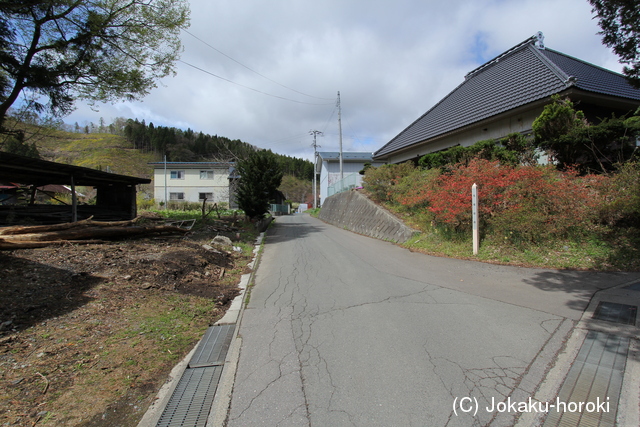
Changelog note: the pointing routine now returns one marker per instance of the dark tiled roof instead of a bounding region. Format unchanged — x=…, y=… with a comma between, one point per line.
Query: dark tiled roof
x=521, y=75
x=592, y=78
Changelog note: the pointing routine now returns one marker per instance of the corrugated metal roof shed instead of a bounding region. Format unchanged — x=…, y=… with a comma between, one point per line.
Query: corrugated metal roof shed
x=27, y=170
x=115, y=198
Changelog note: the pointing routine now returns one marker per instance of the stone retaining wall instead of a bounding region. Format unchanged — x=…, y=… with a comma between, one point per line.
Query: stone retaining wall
x=355, y=212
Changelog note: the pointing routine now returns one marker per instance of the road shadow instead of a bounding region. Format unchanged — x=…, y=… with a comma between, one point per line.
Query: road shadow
x=284, y=231
x=580, y=285
x=32, y=292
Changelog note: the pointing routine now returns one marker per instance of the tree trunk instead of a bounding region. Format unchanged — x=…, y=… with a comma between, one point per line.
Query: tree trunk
x=92, y=233
x=18, y=229
x=85, y=231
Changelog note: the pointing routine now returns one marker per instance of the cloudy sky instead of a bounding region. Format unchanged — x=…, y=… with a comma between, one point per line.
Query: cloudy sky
x=281, y=63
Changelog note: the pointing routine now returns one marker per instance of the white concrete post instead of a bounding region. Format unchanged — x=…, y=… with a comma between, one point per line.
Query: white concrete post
x=474, y=215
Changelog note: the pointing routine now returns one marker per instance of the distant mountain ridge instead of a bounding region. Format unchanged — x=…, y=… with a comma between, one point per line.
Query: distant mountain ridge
x=127, y=146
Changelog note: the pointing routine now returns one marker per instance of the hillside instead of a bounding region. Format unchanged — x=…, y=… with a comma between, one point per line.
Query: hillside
x=127, y=146
x=101, y=151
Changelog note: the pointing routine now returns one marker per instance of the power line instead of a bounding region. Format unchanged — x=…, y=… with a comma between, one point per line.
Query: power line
x=250, y=69
x=250, y=88
x=324, y=128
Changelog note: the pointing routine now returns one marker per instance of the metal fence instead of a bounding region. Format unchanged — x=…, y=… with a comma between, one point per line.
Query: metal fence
x=345, y=184
x=280, y=209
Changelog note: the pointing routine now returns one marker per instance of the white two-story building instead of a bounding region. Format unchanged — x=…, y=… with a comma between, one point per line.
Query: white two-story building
x=194, y=182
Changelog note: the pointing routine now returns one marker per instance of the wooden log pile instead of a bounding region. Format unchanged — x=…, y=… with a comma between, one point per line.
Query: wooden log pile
x=81, y=232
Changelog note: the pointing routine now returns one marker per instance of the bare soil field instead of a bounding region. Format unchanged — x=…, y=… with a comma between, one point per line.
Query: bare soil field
x=89, y=333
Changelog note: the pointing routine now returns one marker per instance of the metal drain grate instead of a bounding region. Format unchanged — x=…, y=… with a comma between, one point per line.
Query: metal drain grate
x=596, y=376
x=191, y=401
x=614, y=312
x=213, y=347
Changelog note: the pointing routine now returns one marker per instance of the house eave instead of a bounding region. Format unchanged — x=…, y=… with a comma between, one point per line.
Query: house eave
x=476, y=125
x=576, y=94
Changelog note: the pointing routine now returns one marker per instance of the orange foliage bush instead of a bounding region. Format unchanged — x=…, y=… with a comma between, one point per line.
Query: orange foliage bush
x=520, y=202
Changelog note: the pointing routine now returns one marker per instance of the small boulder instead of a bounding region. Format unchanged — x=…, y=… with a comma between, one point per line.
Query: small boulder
x=222, y=240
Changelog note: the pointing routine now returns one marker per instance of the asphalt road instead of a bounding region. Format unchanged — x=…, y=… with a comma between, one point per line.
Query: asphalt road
x=345, y=330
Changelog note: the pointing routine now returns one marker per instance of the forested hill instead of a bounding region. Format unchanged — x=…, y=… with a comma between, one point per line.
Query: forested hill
x=190, y=146
x=127, y=146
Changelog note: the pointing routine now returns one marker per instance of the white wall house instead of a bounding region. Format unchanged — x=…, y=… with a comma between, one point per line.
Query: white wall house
x=328, y=163
x=192, y=182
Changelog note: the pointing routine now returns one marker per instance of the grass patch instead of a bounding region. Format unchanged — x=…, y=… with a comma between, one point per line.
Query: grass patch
x=171, y=324
x=616, y=254
x=95, y=150
x=246, y=232
x=314, y=212
x=252, y=282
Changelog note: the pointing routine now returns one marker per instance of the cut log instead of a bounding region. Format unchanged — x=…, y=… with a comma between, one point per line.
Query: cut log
x=92, y=233
x=24, y=229
x=18, y=229
x=10, y=246
x=83, y=232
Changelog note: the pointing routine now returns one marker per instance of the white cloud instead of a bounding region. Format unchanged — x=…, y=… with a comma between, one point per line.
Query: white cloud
x=391, y=61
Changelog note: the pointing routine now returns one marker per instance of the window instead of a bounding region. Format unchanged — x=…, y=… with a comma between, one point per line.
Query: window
x=177, y=174
x=206, y=174
x=176, y=196
x=208, y=196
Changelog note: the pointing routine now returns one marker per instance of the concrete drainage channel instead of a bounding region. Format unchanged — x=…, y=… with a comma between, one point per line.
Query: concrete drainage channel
x=599, y=369
x=192, y=396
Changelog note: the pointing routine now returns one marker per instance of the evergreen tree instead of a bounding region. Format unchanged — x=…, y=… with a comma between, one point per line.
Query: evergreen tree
x=16, y=144
x=564, y=133
x=620, y=23
x=260, y=177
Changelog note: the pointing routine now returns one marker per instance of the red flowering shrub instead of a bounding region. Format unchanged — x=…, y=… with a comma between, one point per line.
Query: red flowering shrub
x=543, y=203
x=520, y=201
x=450, y=199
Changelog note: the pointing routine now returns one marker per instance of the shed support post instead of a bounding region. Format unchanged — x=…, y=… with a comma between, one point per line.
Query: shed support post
x=74, y=201
x=34, y=191
x=132, y=200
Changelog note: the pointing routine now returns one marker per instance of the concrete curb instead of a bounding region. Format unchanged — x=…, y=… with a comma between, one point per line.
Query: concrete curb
x=222, y=399
x=225, y=385
x=547, y=380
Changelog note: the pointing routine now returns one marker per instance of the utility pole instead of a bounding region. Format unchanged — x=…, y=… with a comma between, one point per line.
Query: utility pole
x=340, y=133
x=315, y=162
x=166, y=202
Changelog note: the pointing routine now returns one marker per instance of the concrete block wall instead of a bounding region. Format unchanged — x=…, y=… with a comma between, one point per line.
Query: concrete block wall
x=355, y=212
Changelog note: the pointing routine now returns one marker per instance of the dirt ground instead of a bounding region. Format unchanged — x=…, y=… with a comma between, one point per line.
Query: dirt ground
x=89, y=333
